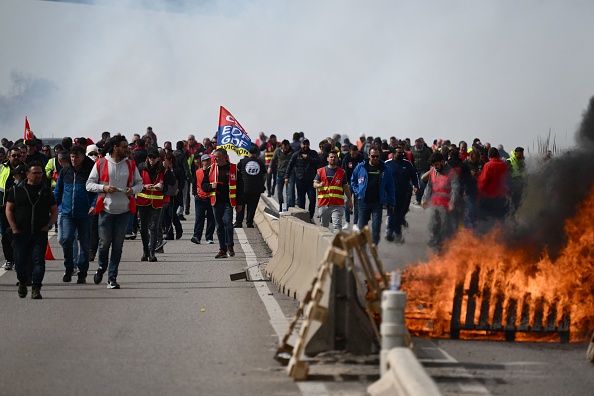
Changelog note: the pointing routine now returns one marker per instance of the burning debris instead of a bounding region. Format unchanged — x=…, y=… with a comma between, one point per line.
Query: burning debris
x=532, y=279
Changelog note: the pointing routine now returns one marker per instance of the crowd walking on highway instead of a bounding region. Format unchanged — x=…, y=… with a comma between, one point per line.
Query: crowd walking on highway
x=99, y=194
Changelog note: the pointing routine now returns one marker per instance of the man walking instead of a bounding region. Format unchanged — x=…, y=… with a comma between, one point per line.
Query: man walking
x=305, y=164
x=6, y=183
x=282, y=155
x=332, y=187
x=349, y=163
x=225, y=187
x=253, y=175
x=269, y=148
x=492, y=191
x=116, y=179
x=78, y=209
x=31, y=210
x=372, y=182
x=202, y=205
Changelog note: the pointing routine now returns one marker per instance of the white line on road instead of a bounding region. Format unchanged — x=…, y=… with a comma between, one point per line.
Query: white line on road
x=279, y=322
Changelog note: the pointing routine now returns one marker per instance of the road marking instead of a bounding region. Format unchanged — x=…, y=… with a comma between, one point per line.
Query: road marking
x=279, y=322
x=3, y=272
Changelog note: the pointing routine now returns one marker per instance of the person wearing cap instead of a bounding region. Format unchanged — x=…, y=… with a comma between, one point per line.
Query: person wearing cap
x=6, y=182
x=76, y=215
x=202, y=205
x=253, y=173
x=33, y=155
x=305, y=165
x=93, y=152
x=150, y=202
x=349, y=163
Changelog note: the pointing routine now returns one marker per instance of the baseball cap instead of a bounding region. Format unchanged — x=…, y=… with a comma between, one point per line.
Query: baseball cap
x=205, y=157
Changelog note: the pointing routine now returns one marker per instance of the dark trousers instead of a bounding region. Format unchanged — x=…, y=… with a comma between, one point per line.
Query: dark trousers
x=94, y=235
x=29, y=257
x=171, y=218
x=306, y=188
x=396, y=219
x=6, y=237
x=149, y=221
x=223, y=214
x=373, y=212
x=249, y=207
x=203, y=212
x=271, y=179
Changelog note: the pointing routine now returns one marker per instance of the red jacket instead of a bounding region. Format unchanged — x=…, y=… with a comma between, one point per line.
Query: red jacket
x=492, y=183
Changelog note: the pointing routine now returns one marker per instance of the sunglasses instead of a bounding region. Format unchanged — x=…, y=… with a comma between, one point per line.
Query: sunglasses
x=16, y=155
x=152, y=157
x=374, y=156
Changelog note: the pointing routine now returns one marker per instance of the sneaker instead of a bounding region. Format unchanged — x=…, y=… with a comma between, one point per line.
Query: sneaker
x=160, y=245
x=36, y=294
x=230, y=251
x=355, y=228
x=8, y=265
x=236, y=225
x=133, y=236
x=75, y=270
x=82, y=279
x=168, y=237
x=22, y=290
x=152, y=257
x=67, y=276
x=346, y=226
x=250, y=226
x=144, y=256
x=195, y=240
x=128, y=235
x=221, y=254
x=98, y=275
x=112, y=284
x=159, y=250
x=399, y=239
x=181, y=217
x=209, y=241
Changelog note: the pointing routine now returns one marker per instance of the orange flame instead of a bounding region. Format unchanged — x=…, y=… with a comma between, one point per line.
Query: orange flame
x=532, y=295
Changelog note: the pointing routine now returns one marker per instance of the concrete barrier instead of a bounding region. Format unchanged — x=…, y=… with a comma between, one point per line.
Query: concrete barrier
x=405, y=377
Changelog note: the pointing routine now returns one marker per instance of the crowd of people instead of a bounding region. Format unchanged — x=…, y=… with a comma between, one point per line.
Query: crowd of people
x=99, y=194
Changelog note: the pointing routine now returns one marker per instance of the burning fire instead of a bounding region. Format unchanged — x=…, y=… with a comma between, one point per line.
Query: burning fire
x=502, y=288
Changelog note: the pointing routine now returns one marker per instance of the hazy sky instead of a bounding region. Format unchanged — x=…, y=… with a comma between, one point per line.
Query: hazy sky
x=504, y=71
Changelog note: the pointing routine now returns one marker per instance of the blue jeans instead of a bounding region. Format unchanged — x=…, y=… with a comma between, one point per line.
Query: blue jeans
x=422, y=186
x=374, y=212
x=223, y=214
x=112, y=230
x=29, y=256
x=307, y=188
x=203, y=212
x=69, y=227
x=347, y=214
x=280, y=188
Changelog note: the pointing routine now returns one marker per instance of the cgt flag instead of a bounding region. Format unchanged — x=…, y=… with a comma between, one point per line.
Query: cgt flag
x=28, y=135
x=231, y=135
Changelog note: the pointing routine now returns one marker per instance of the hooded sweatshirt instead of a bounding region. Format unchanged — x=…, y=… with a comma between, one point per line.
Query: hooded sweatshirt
x=115, y=203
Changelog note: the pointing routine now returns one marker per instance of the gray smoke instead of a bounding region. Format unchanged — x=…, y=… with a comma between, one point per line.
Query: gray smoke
x=553, y=192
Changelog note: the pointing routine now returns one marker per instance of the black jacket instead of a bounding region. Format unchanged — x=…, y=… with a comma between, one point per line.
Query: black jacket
x=305, y=168
x=253, y=174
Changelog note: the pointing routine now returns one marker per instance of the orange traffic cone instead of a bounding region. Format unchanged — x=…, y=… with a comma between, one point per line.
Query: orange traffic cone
x=48, y=252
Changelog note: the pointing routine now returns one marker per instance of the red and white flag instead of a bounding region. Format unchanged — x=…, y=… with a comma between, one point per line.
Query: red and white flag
x=28, y=134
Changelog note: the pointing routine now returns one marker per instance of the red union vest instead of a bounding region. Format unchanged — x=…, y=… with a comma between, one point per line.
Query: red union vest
x=199, y=179
x=442, y=188
x=269, y=152
x=150, y=197
x=103, y=172
x=214, y=170
x=332, y=194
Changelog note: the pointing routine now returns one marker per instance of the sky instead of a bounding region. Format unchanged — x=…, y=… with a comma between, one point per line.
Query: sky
x=507, y=72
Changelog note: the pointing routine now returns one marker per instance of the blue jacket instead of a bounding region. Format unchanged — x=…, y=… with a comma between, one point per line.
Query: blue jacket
x=404, y=173
x=71, y=190
x=360, y=178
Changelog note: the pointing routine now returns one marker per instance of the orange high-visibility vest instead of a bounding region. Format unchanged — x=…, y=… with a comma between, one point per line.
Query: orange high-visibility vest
x=103, y=172
x=199, y=179
x=442, y=188
x=151, y=197
x=332, y=194
x=269, y=153
x=214, y=171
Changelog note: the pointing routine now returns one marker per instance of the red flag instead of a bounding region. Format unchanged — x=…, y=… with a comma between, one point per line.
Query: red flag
x=28, y=134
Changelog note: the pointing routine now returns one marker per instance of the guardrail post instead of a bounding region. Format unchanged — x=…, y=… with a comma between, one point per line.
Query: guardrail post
x=393, y=328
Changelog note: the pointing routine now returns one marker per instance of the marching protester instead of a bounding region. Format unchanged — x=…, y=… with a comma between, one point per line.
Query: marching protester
x=77, y=212
x=202, y=205
x=332, y=187
x=174, y=193
x=349, y=163
x=282, y=155
x=516, y=180
x=253, y=173
x=492, y=190
x=31, y=211
x=225, y=187
x=372, y=182
x=305, y=165
x=116, y=179
x=6, y=183
x=269, y=147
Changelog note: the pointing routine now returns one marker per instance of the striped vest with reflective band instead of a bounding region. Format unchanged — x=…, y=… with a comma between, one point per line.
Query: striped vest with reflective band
x=331, y=194
x=150, y=197
x=442, y=188
x=103, y=172
x=232, y=184
x=199, y=179
x=269, y=153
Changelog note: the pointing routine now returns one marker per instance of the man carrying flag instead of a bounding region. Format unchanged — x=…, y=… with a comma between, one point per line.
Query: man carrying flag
x=231, y=135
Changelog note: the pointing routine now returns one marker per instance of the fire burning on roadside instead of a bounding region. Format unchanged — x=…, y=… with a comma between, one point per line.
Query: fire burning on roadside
x=494, y=286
